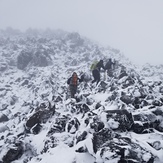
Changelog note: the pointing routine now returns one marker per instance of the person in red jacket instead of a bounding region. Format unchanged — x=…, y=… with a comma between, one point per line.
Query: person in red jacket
x=73, y=83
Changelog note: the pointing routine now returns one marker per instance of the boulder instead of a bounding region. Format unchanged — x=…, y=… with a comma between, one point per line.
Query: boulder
x=123, y=150
x=73, y=125
x=145, y=123
x=126, y=99
x=99, y=138
x=97, y=125
x=23, y=59
x=13, y=153
x=3, y=118
x=39, y=59
x=82, y=108
x=82, y=136
x=59, y=125
x=123, y=117
x=41, y=116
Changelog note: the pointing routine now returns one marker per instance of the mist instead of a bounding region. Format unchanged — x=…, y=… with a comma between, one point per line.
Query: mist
x=133, y=27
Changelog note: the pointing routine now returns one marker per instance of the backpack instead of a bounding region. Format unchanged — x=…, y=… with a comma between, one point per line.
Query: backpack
x=74, y=80
x=93, y=66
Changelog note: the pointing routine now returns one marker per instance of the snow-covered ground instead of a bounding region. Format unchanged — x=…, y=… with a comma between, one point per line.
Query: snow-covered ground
x=119, y=119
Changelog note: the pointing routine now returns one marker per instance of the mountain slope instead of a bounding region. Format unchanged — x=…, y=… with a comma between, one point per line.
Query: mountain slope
x=118, y=120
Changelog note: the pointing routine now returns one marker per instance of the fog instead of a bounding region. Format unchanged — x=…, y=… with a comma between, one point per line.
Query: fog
x=135, y=27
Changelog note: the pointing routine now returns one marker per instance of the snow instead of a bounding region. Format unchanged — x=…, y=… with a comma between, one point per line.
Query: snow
x=48, y=82
x=60, y=154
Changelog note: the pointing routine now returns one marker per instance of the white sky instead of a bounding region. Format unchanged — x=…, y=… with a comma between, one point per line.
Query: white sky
x=133, y=26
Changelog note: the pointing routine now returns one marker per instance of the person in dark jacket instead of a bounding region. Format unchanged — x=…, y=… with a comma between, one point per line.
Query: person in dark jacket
x=73, y=83
x=109, y=67
x=96, y=71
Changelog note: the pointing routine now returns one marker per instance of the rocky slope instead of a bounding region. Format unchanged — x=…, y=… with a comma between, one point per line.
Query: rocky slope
x=119, y=120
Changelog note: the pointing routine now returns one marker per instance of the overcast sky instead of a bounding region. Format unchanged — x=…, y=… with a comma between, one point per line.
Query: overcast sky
x=133, y=26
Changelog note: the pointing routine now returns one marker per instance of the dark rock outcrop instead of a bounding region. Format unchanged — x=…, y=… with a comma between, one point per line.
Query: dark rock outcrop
x=123, y=117
x=41, y=116
x=23, y=59
x=3, y=118
x=13, y=153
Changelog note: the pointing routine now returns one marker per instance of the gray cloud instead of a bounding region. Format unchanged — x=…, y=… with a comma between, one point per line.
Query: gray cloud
x=134, y=27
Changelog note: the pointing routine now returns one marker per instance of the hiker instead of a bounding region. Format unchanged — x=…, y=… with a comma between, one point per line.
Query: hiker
x=73, y=83
x=115, y=64
x=96, y=71
x=109, y=67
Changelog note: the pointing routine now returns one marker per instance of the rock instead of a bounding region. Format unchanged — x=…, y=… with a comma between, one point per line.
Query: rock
x=81, y=137
x=52, y=142
x=97, y=125
x=25, y=82
x=123, y=74
x=75, y=39
x=128, y=82
x=3, y=66
x=112, y=97
x=85, y=77
x=136, y=102
x=3, y=118
x=145, y=127
x=145, y=117
x=4, y=107
x=3, y=93
x=156, y=145
x=126, y=99
x=161, y=90
x=39, y=59
x=123, y=117
x=23, y=59
x=82, y=108
x=103, y=85
x=81, y=150
x=124, y=150
x=99, y=138
x=13, y=153
x=89, y=101
x=13, y=100
x=145, y=122
x=3, y=128
x=98, y=105
x=59, y=126
x=157, y=103
x=41, y=116
x=58, y=99
x=73, y=125
x=160, y=127
x=138, y=127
